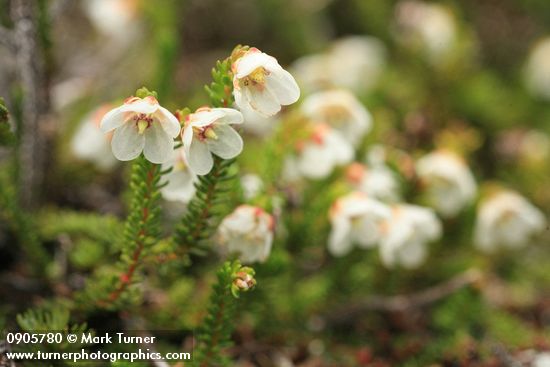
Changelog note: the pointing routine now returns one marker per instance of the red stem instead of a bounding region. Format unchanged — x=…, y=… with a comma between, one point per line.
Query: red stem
x=126, y=277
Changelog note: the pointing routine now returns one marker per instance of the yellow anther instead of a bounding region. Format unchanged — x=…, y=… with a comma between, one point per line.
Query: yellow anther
x=210, y=134
x=142, y=125
x=258, y=75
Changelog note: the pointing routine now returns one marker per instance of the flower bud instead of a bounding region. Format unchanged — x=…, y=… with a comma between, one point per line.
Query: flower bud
x=243, y=281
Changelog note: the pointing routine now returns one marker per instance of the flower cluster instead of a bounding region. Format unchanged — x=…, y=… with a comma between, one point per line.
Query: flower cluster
x=448, y=182
x=353, y=62
x=506, y=220
x=247, y=232
x=318, y=154
x=141, y=125
x=401, y=231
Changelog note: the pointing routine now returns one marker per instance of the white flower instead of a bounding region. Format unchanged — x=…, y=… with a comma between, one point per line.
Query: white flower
x=356, y=219
x=257, y=124
x=506, y=219
x=181, y=181
x=377, y=181
x=406, y=235
x=449, y=183
x=261, y=84
x=317, y=156
x=341, y=110
x=114, y=18
x=208, y=131
x=252, y=185
x=313, y=72
x=537, y=71
x=90, y=144
x=541, y=360
x=356, y=62
x=353, y=62
x=430, y=23
x=141, y=125
x=247, y=231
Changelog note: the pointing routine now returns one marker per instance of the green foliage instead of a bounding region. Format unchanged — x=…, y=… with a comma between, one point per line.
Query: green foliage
x=141, y=232
x=6, y=136
x=129, y=364
x=21, y=224
x=221, y=88
x=90, y=235
x=51, y=318
x=214, y=335
x=102, y=228
x=144, y=92
x=212, y=190
x=165, y=22
x=44, y=319
x=206, y=208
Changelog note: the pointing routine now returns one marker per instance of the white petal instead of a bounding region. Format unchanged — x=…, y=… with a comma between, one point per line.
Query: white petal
x=366, y=233
x=253, y=60
x=206, y=117
x=230, y=116
x=158, y=144
x=112, y=120
x=412, y=254
x=339, y=242
x=228, y=144
x=140, y=106
x=127, y=143
x=199, y=158
x=283, y=85
x=180, y=186
x=341, y=149
x=315, y=161
x=240, y=101
x=169, y=122
x=263, y=102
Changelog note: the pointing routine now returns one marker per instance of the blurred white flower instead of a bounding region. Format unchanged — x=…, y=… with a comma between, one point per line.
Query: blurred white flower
x=181, y=181
x=261, y=84
x=114, y=18
x=356, y=62
x=247, y=231
x=141, y=124
x=507, y=220
x=377, y=181
x=252, y=185
x=208, y=131
x=257, y=124
x=406, y=235
x=341, y=110
x=317, y=156
x=537, y=70
x=312, y=72
x=431, y=24
x=353, y=62
x=90, y=143
x=448, y=181
x=356, y=219
x=542, y=360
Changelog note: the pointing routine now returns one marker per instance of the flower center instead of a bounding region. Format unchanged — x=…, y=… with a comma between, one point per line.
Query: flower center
x=143, y=122
x=337, y=115
x=256, y=78
x=204, y=133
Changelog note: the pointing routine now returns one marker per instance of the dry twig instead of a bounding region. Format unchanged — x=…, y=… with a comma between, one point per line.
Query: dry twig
x=402, y=303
